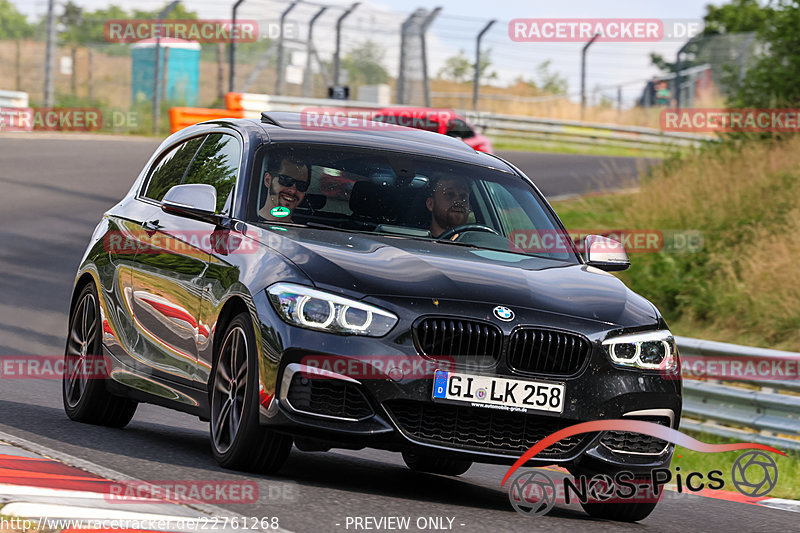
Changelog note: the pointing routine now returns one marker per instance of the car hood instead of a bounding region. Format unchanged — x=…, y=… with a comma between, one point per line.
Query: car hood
x=359, y=265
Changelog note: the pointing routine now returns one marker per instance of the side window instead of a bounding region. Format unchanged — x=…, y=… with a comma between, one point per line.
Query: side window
x=170, y=169
x=512, y=214
x=458, y=128
x=217, y=164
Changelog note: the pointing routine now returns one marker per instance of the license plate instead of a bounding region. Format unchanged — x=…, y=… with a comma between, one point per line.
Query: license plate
x=499, y=393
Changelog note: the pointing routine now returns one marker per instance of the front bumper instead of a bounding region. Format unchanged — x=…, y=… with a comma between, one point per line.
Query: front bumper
x=396, y=412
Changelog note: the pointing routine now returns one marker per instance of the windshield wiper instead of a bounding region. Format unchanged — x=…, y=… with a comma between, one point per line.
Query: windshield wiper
x=458, y=243
x=320, y=225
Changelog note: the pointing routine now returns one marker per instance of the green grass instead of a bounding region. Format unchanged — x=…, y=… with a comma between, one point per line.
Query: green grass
x=592, y=212
x=742, y=199
x=690, y=461
x=520, y=145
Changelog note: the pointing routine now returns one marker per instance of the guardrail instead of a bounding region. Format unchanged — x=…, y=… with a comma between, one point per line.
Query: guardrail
x=748, y=407
x=13, y=99
x=506, y=126
x=15, y=115
x=575, y=132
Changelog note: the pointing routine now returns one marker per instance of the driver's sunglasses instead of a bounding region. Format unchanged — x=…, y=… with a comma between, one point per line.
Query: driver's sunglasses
x=288, y=181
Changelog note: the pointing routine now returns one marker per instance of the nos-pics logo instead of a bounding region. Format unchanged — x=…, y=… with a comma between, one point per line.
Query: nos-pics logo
x=535, y=492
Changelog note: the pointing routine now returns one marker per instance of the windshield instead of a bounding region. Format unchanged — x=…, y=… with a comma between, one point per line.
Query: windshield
x=389, y=193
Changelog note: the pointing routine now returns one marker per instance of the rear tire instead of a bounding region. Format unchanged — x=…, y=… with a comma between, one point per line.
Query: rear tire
x=238, y=441
x=431, y=464
x=83, y=391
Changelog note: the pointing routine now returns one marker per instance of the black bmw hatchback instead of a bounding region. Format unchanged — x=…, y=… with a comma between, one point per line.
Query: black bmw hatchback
x=363, y=287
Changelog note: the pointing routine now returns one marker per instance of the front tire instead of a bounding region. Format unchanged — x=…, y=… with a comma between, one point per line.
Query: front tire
x=83, y=389
x=431, y=464
x=238, y=441
x=619, y=512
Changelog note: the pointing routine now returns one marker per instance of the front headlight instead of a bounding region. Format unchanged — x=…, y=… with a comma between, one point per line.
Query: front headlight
x=312, y=309
x=653, y=350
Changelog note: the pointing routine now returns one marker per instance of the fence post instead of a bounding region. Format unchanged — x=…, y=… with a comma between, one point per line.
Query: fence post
x=91, y=74
x=476, y=83
x=220, y=71
x=401, y=75
x=309, y=51
x=18, y=66
x=157, y=66
x=279, y=66
x=232, y=47
x=49, y=58
x=336, y=58
x=583, y=74
x=425, y=25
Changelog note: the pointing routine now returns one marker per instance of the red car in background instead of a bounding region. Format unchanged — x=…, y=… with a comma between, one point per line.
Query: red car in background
x=436, y=120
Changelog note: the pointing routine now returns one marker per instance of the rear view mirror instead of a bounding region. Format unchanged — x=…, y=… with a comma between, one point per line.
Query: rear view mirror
x=192, y=200
x=606, y=254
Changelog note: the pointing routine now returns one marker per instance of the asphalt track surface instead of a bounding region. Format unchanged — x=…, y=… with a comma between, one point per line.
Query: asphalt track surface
x=53, y=192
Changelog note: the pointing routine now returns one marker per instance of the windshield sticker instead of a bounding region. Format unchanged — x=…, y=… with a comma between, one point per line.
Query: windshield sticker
x=279, y=212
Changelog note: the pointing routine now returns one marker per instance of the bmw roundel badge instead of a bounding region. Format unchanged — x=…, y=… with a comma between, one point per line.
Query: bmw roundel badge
x=503, y=313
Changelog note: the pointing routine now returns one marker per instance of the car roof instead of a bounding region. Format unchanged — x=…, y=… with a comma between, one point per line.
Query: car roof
x=290, y=127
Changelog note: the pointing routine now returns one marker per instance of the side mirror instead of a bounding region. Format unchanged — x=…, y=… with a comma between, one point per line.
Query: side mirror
x=192, y=200
x=606, y=254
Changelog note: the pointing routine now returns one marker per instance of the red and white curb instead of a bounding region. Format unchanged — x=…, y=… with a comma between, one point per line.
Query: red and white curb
x=57, y=492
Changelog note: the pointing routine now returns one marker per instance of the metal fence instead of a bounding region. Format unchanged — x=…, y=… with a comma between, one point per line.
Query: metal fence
x=747, y=408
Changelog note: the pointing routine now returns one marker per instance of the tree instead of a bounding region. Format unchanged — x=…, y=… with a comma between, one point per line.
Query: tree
x=737, y=17
x=364, y=64
x=13, y=24
x=459, y=69
x=546, y=81
x=550, y=82
x=456, y=68
x=774, y=79
x=180, y=12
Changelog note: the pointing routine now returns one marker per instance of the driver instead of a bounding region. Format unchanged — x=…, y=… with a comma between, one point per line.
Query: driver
x=287, y=180
x=449, y=204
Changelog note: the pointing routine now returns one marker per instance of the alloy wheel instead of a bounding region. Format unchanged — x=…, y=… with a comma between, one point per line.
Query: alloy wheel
x=80, y=348
x=230, y=389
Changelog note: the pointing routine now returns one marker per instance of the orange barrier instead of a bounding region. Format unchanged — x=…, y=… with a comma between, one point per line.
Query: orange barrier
x=233, y=101
x=181, y=117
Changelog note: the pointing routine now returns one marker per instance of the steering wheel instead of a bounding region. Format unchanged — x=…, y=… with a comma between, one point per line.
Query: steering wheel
x=466, y=227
